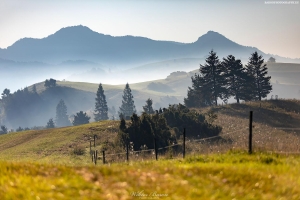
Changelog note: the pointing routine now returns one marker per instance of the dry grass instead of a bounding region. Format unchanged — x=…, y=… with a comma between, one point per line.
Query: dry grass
x=276, y=127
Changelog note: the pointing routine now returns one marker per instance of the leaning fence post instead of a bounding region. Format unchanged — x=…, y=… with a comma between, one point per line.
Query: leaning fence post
x=183, y=147
x=95, y=140
x=250, y=131
x=103, y=156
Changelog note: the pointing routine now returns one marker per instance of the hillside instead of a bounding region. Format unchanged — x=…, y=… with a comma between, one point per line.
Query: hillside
x=276, y=129
x=168, y=90
x=47, y=160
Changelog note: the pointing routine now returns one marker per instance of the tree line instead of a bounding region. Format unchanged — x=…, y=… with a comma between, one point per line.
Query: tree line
x=229, y=78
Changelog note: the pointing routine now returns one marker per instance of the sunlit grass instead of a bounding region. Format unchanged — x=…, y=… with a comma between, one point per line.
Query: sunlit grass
x=234, y=175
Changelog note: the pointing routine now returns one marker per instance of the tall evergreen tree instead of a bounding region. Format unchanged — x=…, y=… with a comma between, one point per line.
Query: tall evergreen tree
x=237, y=78
x=212, y=74
x=127, y=108
x=61, y=114
x=209, y=85
x=258, y=71
x=101, y=108
x=148, y=107
x=198, y=95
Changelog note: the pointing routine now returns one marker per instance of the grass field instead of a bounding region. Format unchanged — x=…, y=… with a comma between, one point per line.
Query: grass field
x=41, y=164
x=234, y=175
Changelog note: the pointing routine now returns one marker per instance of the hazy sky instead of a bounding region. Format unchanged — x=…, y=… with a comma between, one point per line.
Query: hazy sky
x=273, y=28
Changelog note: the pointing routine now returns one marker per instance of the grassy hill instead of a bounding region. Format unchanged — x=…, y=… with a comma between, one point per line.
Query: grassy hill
x=276, y=128
x=45, y=160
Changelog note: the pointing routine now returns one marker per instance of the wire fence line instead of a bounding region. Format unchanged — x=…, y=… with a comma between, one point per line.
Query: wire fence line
x=229, y=140
x=154, y=151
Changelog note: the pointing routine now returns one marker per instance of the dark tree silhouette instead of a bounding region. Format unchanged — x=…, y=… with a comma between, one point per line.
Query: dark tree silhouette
x=209, y=85
x=101, y=108
x=272, y=60
x=258, y=71
x=3, y=130
x=5, y=93
x=237, y=79
x=50, y=124
x=50, y=83
x=80, y=118
x=148, y=107
x=127, y=108
x=61, y=114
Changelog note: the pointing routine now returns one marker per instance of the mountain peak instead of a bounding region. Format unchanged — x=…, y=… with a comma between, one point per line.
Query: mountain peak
x=211, y=35
x=79, y=29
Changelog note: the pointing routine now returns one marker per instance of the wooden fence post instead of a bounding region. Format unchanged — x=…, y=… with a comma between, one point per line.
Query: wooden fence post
x=127, y=152
x=103, y=156
x=92, y=154
x=95, y=140
x=155, y=148
x=96, y=157
x=183, y=146
x=250, y=131
x=90, y=146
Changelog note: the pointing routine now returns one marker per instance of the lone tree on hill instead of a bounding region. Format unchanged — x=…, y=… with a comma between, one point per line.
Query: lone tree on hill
x=50, y=123
x=80, y=118
x=258, y=71
x=101, y=108
x=148, y=107
x=272, y=60
x=237, y=79
x=61, y=114
x=127, y=108
x=50, y=83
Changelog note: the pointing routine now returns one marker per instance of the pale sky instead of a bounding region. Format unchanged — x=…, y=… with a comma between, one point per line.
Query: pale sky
x=273, y=28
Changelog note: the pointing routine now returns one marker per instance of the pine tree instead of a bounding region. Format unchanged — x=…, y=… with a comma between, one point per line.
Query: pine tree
x=61, y=114
x=101, y=108
x=127, y=108
x=50, y=123
x=209, y=85
x=148, y=107
x=258, y=71
x=237, y=78
x=81, y=118
x=198, y=95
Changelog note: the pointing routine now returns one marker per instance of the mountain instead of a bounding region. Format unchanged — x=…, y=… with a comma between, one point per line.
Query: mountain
x=81, y=43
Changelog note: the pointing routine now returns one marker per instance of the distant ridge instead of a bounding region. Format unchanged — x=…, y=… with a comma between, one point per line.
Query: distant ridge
x=82, y=43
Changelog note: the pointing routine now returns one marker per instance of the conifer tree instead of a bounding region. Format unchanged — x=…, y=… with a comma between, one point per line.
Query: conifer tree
x=81, y=118
x=209, y=85
x=258, y=71
x=127, y=108
x=61, y=114
x=50, y=124
x=101, y=108
x=148, y=107
x=237, y=79
x=198, y=95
